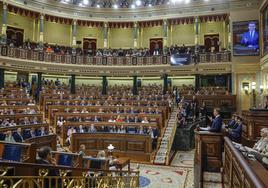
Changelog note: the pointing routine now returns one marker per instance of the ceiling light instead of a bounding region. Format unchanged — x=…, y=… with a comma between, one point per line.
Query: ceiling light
x=187, y=1
x=65, y=2
x=98, y=6
x=133, y=6
x=116, y=6
x=150, y=5
x=85, y=2
x=138, y=2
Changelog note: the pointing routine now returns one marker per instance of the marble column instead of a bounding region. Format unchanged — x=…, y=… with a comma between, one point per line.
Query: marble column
x=165, y=80
x=72, y=84
x=229, y=44
x=39, y=81
x=41, y=29
x=2, y=78
x=4, y=19
x=104, y=85
x=105, y=35
x=135, y=85
x=165, y=33
x=74, y=32
x=135, y=35
x=196, y=29
x=197, y=82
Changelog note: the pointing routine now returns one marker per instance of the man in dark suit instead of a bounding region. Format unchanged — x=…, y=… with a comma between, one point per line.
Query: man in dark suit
x=18, y=136
x=44, y=157
x=236, y=132
x=216, y=123
x=251, y=38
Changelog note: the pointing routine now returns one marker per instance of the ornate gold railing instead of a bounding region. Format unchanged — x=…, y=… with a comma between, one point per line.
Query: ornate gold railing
x=27, y=175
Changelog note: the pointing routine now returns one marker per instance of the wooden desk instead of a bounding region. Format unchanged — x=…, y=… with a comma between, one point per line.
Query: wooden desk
x=122, y=162
x=65, y=127
x=241, y=172
x=158, y=118
x=52, y=109
x=135, y=147
x=253, y=122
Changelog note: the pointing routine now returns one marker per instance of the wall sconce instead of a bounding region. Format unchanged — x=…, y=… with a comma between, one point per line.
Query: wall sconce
x=246, y=88
x=253, y=87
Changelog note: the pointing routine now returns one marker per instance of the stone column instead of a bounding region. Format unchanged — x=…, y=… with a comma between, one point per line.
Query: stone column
x=4, y=19
x=74, y=31
x=135, y=35
x=105, y=35
x=72, y=84
x=41, y=32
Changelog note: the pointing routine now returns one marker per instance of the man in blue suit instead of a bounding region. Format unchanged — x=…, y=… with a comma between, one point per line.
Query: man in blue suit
x=236, y=132
x=251, y=38
x=216, y=123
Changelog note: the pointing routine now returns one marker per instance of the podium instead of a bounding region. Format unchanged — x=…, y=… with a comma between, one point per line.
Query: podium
x=208, y=154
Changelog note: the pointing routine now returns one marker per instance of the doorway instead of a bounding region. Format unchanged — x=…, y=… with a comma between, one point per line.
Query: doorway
x=212, y=43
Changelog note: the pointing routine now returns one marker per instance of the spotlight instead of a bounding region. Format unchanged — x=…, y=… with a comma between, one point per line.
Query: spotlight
x=85, y=2
x=150, y=5
x=116, y=6
x=187, y=1
x=138, y=2
x=98, y=6
x=133, y=6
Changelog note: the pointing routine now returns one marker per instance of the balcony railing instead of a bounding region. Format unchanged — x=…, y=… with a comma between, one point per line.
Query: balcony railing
x=108, y=60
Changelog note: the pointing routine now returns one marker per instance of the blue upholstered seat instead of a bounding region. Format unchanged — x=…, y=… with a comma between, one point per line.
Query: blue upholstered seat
x=12, y=152
x=65, y=160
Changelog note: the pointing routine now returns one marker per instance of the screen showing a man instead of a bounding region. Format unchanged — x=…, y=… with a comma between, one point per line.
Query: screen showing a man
x=251, y=37
x=246, y=38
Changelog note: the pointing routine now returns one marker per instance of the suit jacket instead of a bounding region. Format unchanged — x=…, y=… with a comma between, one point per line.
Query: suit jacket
x=216, y=125
x=253, y=40
x=18, y=137
x=236, y=132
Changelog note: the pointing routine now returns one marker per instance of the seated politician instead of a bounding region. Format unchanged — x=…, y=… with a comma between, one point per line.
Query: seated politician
x=216, y=123
x=235, y=132
x=260, y=149
x=251, y=37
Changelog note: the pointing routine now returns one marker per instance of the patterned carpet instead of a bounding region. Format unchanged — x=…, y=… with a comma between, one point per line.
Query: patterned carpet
x=154, y=176
x=180, y=174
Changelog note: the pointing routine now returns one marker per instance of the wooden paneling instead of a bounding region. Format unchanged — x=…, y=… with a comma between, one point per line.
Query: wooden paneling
x=208, y=154
x=137, y=147
x=253, y=122
x=241, y=172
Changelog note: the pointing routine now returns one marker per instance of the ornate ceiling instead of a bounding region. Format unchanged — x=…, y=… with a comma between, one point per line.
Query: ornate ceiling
x=122, y=10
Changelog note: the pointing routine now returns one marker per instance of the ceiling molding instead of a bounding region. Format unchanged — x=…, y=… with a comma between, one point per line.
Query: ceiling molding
x=51, y=7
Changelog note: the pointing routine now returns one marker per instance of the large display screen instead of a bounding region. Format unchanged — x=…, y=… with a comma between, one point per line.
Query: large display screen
x=265, y=29
x=246, y=38
x=180, y=59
